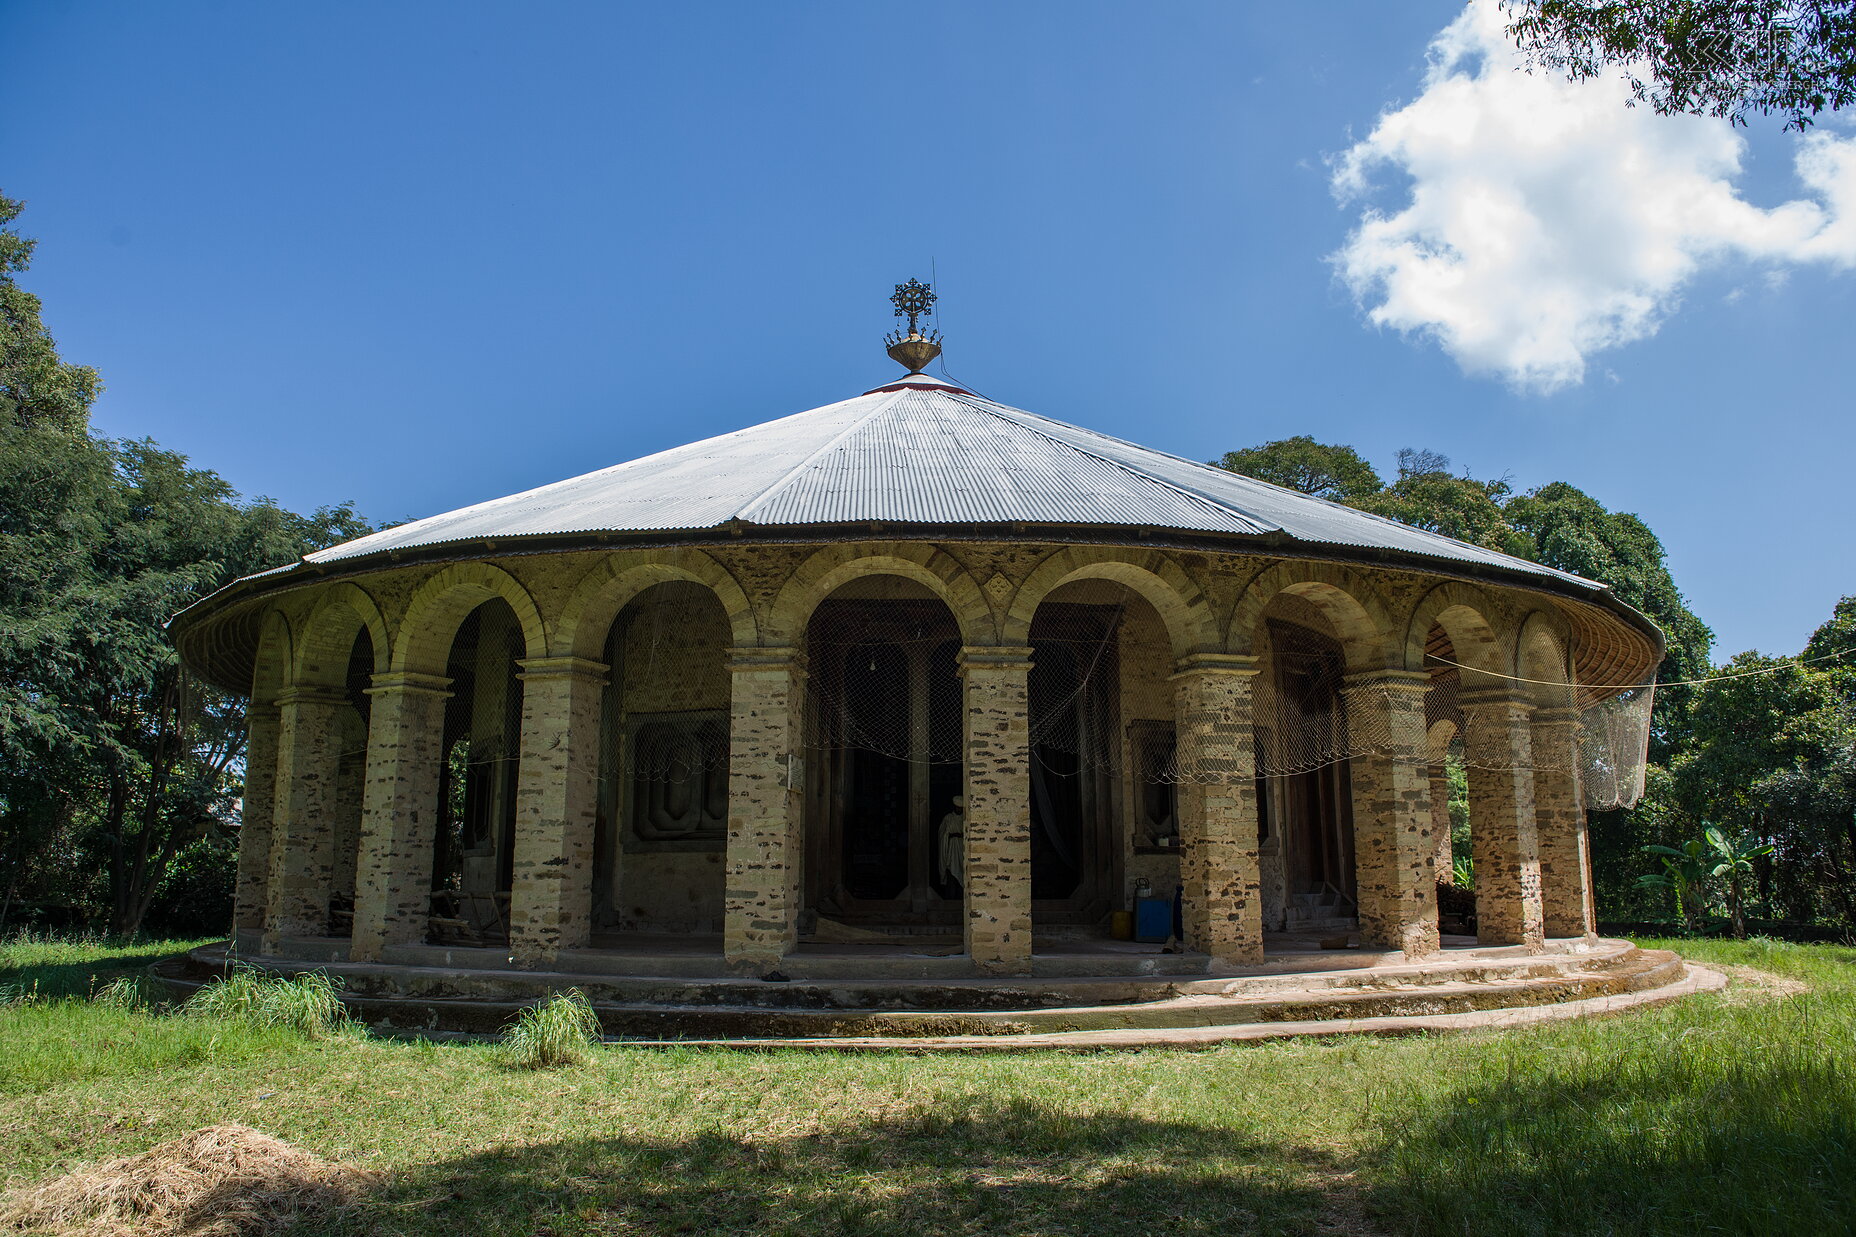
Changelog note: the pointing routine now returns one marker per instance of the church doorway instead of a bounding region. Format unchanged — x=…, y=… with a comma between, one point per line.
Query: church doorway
x=886, y=743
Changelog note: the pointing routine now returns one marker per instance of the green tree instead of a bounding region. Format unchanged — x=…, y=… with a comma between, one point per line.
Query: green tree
x=1703, y=57
x=1773, y=755
x=1570, y=530
x=111, y=760
x=1428, y=495
x=37, y=390
x=1337, y=474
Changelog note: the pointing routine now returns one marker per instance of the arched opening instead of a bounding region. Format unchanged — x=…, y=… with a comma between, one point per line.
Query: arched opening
x=884, y=730
x=661, y=829
x=1103, y=793
x=473, y=853
x=1450, y=829
x=350, y=782
x=1304, y=746
x=258, y=808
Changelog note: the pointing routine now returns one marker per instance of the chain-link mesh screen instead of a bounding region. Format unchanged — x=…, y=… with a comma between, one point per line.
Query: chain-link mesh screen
x=882, y=676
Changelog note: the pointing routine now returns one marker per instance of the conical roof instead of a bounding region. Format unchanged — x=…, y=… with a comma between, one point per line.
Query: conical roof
x=921, y=451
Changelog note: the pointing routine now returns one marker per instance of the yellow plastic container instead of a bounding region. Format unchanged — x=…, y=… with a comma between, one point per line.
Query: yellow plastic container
x=1121, y=925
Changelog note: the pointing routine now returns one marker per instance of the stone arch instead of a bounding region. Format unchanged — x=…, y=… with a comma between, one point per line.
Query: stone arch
x=1147, y=573
x=1437, y=739
x=831, y=568
x=605, y=590
x=271, y=668
x=1540, y=661
x=443, y=602
x=343, y=611
x=1345, y=597
x=1463, y=611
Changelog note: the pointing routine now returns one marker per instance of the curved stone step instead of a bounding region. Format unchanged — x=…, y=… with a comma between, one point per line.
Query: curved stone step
x=411, y=1000
x=1695, y=979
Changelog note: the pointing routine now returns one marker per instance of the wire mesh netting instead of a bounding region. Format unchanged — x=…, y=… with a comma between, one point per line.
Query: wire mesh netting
x=882, y=676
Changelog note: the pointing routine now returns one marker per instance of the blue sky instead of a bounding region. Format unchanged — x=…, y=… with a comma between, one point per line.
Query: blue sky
x=421, y=255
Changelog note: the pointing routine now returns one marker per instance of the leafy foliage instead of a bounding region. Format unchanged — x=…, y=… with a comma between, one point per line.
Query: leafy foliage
x=1702, y=57
x=1772, y=757
x=1338, y=474
x=111, y=760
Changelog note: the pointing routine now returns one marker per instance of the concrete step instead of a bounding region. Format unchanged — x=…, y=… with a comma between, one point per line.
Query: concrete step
x=433, y=1000
x=1694, y=979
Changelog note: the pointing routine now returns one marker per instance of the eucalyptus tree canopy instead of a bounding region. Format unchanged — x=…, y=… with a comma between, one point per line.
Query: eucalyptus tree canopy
x=1793, y=58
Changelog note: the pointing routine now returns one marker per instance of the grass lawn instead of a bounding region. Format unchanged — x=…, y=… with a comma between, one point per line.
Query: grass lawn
x=1732, y=1113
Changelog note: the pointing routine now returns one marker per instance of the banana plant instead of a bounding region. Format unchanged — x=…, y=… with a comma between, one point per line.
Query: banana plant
x=1732, y=860
x=1690, y=871
x=1685, y=873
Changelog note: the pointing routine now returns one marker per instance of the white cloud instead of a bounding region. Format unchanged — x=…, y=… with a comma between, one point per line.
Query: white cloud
x=1547, y=221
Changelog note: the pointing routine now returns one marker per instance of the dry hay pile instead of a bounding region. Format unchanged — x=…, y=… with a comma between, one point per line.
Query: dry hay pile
x=224, y=1181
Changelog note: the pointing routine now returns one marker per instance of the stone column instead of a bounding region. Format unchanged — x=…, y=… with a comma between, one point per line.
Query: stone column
x=350, y=794
x=1217, y=796
x=765, y=844
x=399, y=813
x=251, y=902
x=1504, y=842
x=1559, y=814
x=557, y=795
x=1395, y=850
x=303, y=830
x=1440, y=824
x=997, y=832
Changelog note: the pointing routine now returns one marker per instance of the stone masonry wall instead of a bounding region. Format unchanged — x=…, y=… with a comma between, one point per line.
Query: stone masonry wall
x=1394, y=850
x=998, y=818
x=303, y=835
x=1559, y=812
x=1222, y=906
x=557, y=796
x=764, y=848
x=1208, y=602
x=1503, y=833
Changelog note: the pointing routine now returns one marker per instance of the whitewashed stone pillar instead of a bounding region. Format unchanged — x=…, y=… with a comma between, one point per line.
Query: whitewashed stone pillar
x=557, y=798
x=303, y=823
x=1395, y=850
x=765, y=847
x=997, y=830
x=1219, y=864
x=399, y=814
x=251, y=899
x=1504, y=838
x=1559, y=812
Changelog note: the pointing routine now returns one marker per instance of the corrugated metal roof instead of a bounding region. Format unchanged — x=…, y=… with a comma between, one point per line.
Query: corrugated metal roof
x=920, y=452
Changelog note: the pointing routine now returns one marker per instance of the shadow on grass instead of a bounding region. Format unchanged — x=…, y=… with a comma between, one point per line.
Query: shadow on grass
x=994, y=1168
x=1676, y=1142
x=81, y=976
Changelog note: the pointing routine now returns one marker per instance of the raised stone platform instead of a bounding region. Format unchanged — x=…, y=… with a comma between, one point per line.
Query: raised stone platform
x=1082, y=994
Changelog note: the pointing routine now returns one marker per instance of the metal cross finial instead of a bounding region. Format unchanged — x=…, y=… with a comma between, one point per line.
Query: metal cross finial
x=913, y=300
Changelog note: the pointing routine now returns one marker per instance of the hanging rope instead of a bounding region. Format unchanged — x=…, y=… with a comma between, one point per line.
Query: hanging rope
x=1788, y=664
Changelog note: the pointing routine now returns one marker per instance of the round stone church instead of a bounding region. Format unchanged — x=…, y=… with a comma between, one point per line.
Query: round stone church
x=917, y=674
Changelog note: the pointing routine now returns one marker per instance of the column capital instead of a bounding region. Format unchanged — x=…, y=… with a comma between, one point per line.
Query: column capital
x=310, y=695
x=409, y=683
x=1556, y=717
x=1215, y=663
x=1495, y=699
x=749, y=659
x=994, y=657
x=1386, y=680
x=540, y=668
